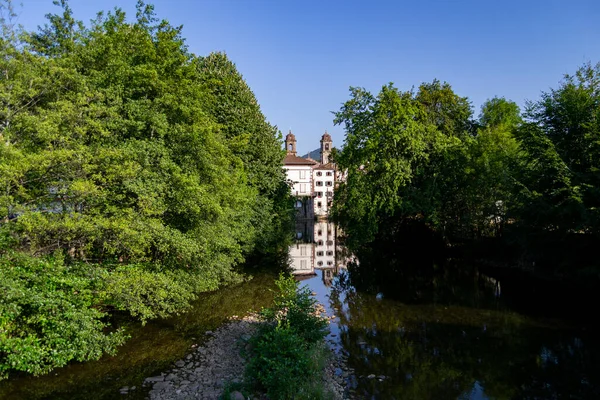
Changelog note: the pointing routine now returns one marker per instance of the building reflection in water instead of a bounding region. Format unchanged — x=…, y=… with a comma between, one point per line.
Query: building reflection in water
x=317, y=247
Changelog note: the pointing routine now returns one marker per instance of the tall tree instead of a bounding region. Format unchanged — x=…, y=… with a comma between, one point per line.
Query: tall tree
x=233, y=105
x=570, y=118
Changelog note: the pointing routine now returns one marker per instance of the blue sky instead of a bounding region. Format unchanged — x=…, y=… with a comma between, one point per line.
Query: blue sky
x=301, y=57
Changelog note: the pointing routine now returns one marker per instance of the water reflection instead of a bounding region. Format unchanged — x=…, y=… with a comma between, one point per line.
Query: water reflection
x=317, y=247
x=416, y=326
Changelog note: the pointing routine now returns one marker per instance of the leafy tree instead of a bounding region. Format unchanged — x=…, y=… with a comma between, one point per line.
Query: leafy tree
x=569, y=117
x=499, y=111
x=233, y=105
x=113, y=162
x=388, y=141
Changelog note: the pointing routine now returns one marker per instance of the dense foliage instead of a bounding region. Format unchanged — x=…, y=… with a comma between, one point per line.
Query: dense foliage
x=529, y=178
x=133, y=175
x=287, y=355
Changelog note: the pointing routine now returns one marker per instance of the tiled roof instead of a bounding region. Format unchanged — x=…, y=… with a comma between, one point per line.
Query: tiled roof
x=291, y=159
x=326, y=166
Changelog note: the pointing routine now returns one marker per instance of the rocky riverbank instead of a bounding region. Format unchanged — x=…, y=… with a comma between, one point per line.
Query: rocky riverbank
x=203, y=373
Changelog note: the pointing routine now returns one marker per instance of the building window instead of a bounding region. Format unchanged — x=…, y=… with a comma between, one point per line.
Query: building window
x=326, y=146
x=303, y=251
x=319, y=204
x=319, y=183
x=320, y=263
x=329, y=183
x=319, y=194
x=320, y=233
x=329, y=194
x=319, y=253
x=320, y=243
x=319, y=173
x=330, y=243
x=330, y=253
x=329, y=173
x=303, y=264
x=303, y=188
x=302, y=174
x=329, y=263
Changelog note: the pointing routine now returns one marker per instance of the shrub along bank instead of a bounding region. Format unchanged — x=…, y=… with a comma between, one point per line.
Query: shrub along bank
x=287, y=356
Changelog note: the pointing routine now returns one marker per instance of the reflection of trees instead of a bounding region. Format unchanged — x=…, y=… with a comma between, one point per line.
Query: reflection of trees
x=432, y=347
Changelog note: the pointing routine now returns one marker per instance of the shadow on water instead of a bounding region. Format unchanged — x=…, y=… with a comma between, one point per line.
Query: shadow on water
x=417, y=325
x=153, y=348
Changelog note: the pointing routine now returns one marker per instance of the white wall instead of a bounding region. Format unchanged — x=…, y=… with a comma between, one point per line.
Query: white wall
x=301, y=177
x=302, y=256
x=323, y=186
x=325, y=245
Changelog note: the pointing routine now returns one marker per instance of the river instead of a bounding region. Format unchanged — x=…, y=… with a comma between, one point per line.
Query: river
x=416, y=327
x=410, y=326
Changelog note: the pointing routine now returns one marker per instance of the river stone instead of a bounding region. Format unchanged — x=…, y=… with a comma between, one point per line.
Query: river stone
x=161, y=385
x=170, y=377
x=155, y=379
x=180, y=363
x=236, y=396
x=371, y=376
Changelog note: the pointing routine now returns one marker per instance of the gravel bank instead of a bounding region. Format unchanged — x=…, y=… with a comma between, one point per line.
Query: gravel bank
x=203, y=373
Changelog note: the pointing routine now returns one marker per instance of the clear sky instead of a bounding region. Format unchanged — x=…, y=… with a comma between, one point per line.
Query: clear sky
x=300, y=57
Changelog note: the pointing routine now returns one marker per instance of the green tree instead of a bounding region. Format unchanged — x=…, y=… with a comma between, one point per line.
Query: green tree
x=234, y=107
x=388, y=144
x=117, y=181
x=499, y=111
x=570, y=118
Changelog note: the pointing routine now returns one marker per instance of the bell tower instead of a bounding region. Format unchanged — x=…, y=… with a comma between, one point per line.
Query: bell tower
x=290, y=143
x=326, y=146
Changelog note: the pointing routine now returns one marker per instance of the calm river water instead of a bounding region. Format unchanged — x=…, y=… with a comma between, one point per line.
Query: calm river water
x=415, y=328
x=411, y=327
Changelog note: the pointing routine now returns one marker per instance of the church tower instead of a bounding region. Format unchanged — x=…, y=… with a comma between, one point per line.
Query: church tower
x=290, y=143
x=326, y=146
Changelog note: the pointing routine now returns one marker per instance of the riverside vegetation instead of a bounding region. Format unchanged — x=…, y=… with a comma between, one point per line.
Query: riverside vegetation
x=287, y=355
x=133, y=174
x=510, y=186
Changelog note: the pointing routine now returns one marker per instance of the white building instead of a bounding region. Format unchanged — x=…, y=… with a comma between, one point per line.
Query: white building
x=312, y=182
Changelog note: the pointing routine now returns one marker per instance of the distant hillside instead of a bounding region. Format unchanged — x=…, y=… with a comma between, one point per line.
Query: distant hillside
x=315, y=154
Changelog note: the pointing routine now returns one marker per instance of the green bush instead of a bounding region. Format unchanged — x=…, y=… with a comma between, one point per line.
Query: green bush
x=47, y=315
x=295, y=309
x=288, y=354
x=53, y=312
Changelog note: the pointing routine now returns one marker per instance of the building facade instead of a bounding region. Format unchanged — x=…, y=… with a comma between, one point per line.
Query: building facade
x=311, y=182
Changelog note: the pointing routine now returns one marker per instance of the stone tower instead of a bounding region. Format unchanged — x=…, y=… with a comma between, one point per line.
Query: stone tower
x=326, y=146
x=290, y=143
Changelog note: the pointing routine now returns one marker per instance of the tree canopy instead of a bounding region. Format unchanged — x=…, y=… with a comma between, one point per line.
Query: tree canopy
x=422, y=156
x=134, y=174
